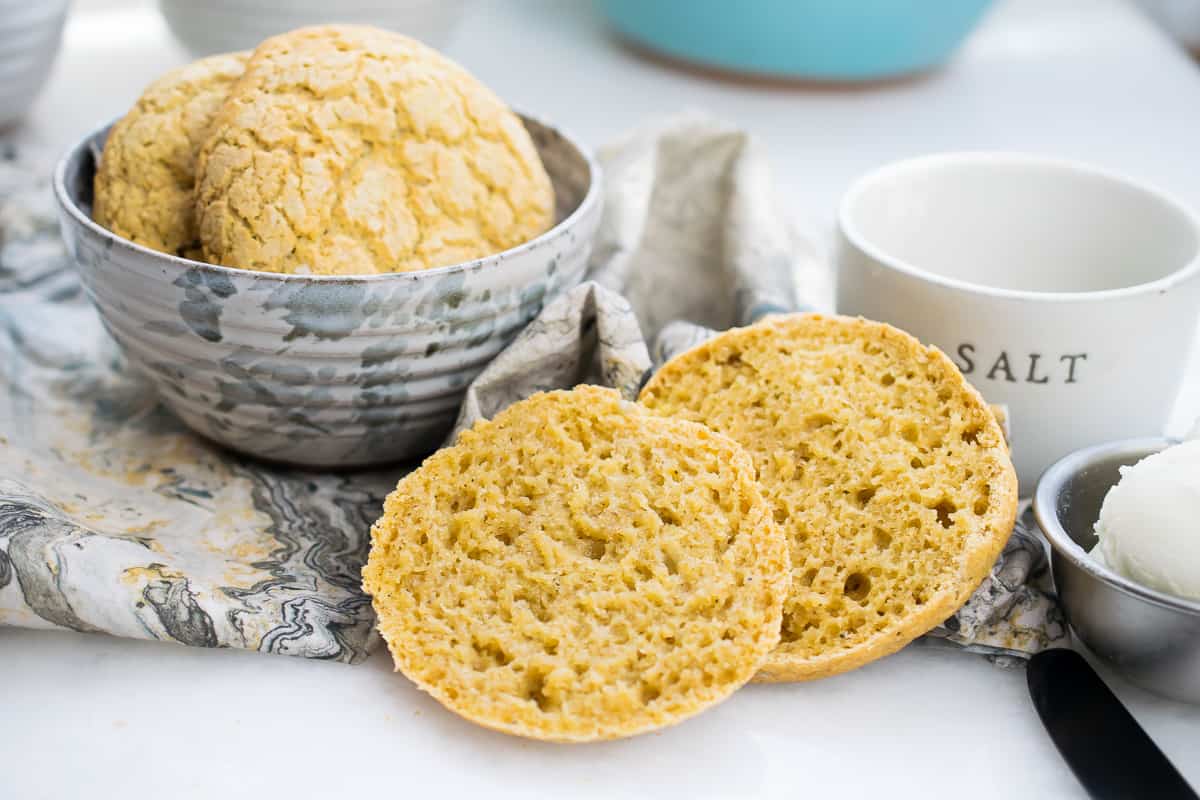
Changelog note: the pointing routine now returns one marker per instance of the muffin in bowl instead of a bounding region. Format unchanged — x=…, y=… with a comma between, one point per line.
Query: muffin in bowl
x=312, y=249
x=319, y=370
x=350, y=150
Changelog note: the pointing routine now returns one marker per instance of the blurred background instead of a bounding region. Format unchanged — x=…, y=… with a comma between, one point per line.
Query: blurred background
x=849, y=84
x=831, y=88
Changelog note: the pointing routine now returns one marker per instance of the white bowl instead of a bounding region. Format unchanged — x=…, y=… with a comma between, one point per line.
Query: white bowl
x=1065, y=292
x=205, y=27
x=30, y=33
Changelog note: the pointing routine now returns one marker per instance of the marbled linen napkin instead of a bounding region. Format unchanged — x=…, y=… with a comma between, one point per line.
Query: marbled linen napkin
x=114, y=518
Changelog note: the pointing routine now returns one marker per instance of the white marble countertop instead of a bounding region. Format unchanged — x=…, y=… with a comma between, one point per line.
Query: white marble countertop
x=84, y=715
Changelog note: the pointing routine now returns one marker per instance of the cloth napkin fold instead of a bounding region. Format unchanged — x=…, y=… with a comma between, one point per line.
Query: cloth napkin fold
x=114, y=518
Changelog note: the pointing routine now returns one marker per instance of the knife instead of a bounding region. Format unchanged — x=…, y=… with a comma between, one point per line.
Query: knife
x=1099, y=739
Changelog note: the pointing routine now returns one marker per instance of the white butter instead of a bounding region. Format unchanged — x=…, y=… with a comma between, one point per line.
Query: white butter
x=1149, y=526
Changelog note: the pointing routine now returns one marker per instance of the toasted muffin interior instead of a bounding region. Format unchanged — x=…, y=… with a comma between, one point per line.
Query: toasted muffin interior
x=886, y=470
x=578, y=569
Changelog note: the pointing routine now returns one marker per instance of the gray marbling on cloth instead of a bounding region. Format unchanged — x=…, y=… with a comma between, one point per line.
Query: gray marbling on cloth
x=113, y=518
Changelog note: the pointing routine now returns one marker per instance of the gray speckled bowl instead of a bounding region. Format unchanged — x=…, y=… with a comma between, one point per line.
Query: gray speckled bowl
x=324, y=371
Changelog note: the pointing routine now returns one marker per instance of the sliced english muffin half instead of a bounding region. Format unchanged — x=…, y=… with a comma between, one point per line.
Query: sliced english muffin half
x=579, y=569
x=887, y=471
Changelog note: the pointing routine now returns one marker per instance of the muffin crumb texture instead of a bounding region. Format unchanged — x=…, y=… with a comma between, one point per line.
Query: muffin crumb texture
x=886, y=470
x=146, y=177
x=352, y=150
x=579, y=569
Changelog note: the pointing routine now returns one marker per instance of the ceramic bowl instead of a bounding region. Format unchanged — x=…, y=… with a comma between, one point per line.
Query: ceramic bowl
x=1065, y=292
x=324, y=371
x=205, y=27
x=30, y=34
x=825, y=40
x=1148, y=637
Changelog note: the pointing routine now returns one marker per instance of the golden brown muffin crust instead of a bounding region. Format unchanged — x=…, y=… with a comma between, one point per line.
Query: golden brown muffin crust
x=352, y=150
x=145, y=182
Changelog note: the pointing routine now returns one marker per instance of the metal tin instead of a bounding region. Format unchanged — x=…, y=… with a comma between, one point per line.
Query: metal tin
x=1146, y=636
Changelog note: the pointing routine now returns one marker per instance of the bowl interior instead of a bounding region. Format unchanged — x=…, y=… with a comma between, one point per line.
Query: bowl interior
x=1082, y=493
x=1006, y=221
x=571, y=173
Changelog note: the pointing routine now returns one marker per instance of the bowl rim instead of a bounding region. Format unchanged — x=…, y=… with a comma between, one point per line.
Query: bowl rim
x=591, y=198
x=852, y=235
x=1045, y=510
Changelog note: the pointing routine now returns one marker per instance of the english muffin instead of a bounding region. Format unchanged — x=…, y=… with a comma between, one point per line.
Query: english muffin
x=885, y=468
x=147, y=172
x=352, y=150
x=579, y=569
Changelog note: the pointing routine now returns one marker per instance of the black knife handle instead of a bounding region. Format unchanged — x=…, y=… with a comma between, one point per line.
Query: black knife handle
x=1109, y=752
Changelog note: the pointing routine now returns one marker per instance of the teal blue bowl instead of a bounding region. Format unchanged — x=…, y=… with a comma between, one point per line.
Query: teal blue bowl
x=824, y=40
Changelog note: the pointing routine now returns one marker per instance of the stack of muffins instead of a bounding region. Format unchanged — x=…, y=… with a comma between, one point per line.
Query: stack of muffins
x=786, y=501
x=286, y=160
